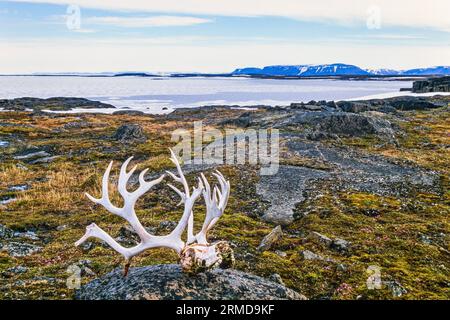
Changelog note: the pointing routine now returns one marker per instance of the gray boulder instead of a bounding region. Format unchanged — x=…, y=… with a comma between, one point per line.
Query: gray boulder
x=351, y=124
x=168, y=282
x=130, y=133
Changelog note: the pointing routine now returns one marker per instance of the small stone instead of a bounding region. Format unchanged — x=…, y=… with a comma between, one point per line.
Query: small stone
x=61, y=228
x=87, y=246
x=309, y=255
x=44, y=160
x=425, y=239
x=85, y=266
x=32, y=155
x=19, y=249
x=167, y=225
x=43, y=280
x=5, y=232
x=19, y=187
x=248, y=256
x=340, y=245
x=276, y=278
x=27, y=234
x=281, y=253
x=396, y=288
x=88, y=272
x=272, y=238
x=322, y=238
x=6, y=200
x=18, y=269
x=21, y=167
x=84, y=263
x=341, y=267
x=76, y=125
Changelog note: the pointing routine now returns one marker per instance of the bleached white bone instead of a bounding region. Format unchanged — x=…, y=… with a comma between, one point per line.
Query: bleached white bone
x=204, y=255
x=172, y=240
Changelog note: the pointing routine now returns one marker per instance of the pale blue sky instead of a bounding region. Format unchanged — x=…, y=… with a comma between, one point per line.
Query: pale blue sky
x=218, y=35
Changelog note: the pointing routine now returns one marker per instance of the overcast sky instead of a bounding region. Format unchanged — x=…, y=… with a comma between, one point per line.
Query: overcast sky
x=220, y=35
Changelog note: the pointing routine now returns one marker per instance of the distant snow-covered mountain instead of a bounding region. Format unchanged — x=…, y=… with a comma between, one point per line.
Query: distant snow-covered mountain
x=304, y=70
x=336, y=69
x=383, y=72
x=440, y=70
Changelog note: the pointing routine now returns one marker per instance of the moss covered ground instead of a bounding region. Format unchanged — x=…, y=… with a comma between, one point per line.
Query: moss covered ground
x=406, y=238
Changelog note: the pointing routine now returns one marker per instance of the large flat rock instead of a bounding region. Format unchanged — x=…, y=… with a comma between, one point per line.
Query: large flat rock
x=284, y=189
x=349, y=170
x=168, y=282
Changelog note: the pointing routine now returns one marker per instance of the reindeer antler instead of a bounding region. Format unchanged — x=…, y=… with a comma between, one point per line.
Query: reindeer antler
x=215, y=201
x=195, y=253
x=173, y=240
x=183, y=195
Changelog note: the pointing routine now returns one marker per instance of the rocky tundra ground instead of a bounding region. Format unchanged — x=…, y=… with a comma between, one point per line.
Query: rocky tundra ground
x=362, y=191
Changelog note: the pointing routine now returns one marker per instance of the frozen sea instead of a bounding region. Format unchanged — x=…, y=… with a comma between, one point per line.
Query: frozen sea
x=163, y=94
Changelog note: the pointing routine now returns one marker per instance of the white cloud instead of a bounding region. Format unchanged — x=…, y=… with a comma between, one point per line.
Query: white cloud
x=81, y=30
x=406, y=13
x=154, y=21
x=185, y=55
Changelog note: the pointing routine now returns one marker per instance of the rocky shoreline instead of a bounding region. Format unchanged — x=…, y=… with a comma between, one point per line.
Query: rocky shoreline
x=51, y=104
x=441, y=84
x=386, y=105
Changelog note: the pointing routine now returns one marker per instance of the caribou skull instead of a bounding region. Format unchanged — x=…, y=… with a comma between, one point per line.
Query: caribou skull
x=196, y=253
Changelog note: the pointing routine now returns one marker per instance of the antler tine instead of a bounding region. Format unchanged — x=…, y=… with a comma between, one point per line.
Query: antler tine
x=174, y=177
x=181, y=194
x=144, y=186
x=216, y=202
x=187, y=213
x=104, y=200
x=181, y=178
x=200, y=184
x=219, y=193
x=225, y=189
x=95, y=231
x=124, y=177
x=215, y=194
x=207, y=190
x=130, y=198
x=127, y=211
